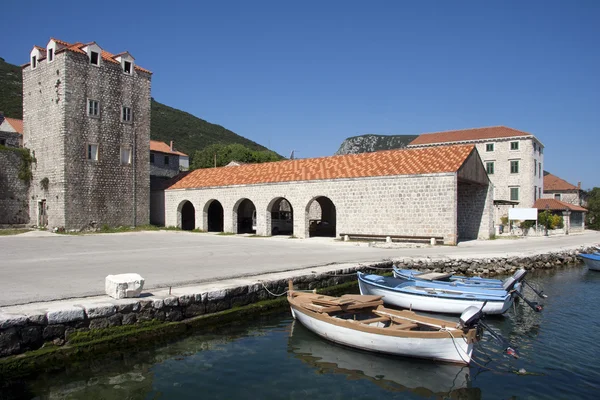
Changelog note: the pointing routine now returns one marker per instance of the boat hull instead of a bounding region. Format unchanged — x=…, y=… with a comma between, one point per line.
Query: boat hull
x=431, y=303
x=592, y=261
x=454, y=350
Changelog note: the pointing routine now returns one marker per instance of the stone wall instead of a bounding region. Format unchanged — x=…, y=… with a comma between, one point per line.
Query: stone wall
x=474, y=217
x=58, y=128
x=22, y=332
x=567, y=197
x=14, y=199
x=10, y=139
x=162, y=169
x=422, y=205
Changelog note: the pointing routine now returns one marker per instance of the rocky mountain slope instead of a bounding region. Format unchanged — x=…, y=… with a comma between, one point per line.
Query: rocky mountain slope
x=370, y=143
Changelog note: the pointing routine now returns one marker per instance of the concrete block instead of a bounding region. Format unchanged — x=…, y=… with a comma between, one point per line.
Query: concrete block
x=65, y=315
x=10, y=320
x=124, y=285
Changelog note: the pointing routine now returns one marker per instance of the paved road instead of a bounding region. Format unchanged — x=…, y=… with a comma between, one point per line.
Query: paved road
x=41, y=266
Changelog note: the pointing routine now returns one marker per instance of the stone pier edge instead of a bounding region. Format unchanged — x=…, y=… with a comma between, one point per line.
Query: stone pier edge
x=49, y=326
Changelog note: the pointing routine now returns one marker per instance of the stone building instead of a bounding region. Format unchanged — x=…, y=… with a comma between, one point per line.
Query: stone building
x=86, y=116
x=165, y=161
x=573, y=214
x=11, y=131
x=513, y=160
x=559, y=189
x=441, y=191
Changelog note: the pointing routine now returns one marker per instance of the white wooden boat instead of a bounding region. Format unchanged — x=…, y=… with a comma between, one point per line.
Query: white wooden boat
x=457, y=280
x=362, y=322
x=433, y=297
x=421, y=377
x=592, y=261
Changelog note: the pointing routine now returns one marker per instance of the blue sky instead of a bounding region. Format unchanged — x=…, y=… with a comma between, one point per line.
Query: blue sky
x=306, y=75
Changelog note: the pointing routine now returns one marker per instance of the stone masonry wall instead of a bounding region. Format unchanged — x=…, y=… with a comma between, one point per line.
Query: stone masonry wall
x=567, y=197
x=402, y=205
x=10, y=139
x=44, y=134
x=14, y=199
x=473, y=215
x=160, y=168
x=22, y=332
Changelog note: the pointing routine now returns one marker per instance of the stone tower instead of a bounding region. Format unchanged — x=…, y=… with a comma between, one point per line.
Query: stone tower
x=86, y=116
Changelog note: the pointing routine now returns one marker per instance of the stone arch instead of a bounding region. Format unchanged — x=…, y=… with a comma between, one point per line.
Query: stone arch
x=186, y=216
x=321, y=217
x=213, y=212
x=280, y=217
x=244, y=214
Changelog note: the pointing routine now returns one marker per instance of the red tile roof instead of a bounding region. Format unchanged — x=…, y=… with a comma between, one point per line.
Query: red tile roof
x=17, y=124
x=492, y=132
x=162, y=147
x=430, y=160
x=556, y=205
x=78, y=48
x=553, y=183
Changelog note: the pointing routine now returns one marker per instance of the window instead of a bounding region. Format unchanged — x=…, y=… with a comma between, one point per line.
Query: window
x=92, y=152
x=127, y=67
x=540, y=169
x=33, y=62
x=50, y=55
x=489, y=167
x=126, y=114
x=514, y=193
x=166, y=160
x=534, y=193
x=534, y=147
x=489, y=147
x=125, y=155
x=2, y=142
x=534, y=168
x=151, y=158
x=540, y=192
x=514, y=167
x=94, y=58
x=514, y=145
x=557, y=196
x=93, y=108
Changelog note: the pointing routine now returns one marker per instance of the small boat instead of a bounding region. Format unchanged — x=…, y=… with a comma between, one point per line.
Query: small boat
x=362, y=322
x=420, y=377
x=431, y=297
x=457, y=280
x=592, y=261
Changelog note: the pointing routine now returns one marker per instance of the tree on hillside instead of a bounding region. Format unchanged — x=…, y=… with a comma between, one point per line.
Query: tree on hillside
x=592, y=219
x=223, y=154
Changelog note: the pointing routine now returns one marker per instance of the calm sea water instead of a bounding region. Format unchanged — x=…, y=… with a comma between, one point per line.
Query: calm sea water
x=275, y=358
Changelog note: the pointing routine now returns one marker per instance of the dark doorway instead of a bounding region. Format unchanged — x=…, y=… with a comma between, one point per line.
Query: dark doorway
x=282, y=217
x=245, y=213
x=215, y=217
x=321, y=217
x=188, y=217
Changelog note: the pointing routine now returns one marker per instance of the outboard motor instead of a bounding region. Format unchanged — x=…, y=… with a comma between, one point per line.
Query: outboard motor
x=472, y=317
x=518, y=277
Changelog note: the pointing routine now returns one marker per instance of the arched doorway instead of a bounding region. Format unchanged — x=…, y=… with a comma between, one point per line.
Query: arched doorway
x=214, y=214
x=186, y=216
x=245, y=214
x=321, y=216
x=281, y=216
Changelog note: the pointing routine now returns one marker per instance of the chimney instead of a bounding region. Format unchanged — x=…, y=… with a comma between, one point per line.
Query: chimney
x=171, y=145
x=578, y=185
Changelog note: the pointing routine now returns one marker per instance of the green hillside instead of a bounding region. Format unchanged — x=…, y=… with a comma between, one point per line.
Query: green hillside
x=11, y=90
x=190, y=133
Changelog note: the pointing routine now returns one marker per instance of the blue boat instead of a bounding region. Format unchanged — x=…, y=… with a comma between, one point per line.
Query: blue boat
x=592, y=261
x=457, y=280
x=433, y=297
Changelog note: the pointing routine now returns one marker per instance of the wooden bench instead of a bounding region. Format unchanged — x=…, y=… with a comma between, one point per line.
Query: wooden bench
x=397, y=238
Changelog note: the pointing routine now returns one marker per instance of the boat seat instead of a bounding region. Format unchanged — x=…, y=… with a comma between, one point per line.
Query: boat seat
x=431, y=276
x=405, y=326
x=373, y=320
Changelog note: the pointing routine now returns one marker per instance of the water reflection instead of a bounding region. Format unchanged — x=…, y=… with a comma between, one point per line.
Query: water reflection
x=423, y=378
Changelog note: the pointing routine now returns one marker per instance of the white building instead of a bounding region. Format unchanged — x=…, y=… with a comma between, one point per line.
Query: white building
x=513, y=159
